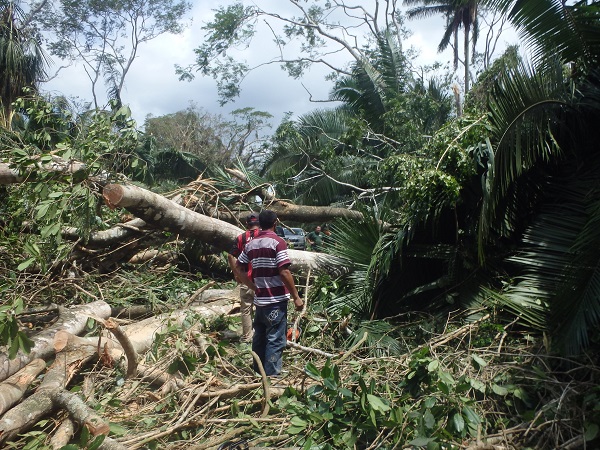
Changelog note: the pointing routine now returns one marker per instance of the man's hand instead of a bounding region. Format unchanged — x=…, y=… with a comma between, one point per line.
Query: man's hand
x=298, y=304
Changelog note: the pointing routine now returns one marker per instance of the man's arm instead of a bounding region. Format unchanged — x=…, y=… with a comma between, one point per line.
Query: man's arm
x=288, y=281
x=232, y=260
x=242, y=272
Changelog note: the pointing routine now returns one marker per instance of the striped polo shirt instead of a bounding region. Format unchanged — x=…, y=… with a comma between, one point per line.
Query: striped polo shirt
x=267, y=252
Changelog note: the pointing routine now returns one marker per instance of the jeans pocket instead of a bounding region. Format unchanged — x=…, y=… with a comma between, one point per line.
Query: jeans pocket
x=276, y=315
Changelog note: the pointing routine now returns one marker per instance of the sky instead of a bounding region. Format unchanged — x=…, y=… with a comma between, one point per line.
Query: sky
x=153, y=88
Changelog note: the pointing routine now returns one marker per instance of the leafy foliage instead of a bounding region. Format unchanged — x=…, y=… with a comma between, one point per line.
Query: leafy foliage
x=105, y=36
x=22, y=59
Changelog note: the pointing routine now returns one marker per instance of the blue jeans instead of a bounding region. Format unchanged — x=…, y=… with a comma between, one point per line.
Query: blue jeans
x=268, y=342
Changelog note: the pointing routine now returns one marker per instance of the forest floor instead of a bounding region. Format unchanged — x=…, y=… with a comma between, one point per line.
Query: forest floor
x=453, y=383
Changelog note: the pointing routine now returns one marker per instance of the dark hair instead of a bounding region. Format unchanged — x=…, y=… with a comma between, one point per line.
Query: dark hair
x=267, y=219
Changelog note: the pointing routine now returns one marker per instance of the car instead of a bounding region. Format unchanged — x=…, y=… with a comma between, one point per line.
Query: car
x=293, y=236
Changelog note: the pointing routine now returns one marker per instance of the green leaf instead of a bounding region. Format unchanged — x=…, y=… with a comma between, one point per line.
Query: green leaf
x=25, y=344
x=25, y=264
x=521, y=394
x=97, y=442
x=430, y=402
x=298, y=422
x=254, y=423
x=421, y=441
x=377, y=403
x=50, y=230
x=312, y=371
x=295, y=430
x=458, y=422
x=433, y=365
x=14, y=349
x=479, y=361
x=117, y=430
x=428, y=419
x=446, y=378
x=471, y=416
x=591, y=431
x=499, y=390
x=443, y=387
x=477, y=385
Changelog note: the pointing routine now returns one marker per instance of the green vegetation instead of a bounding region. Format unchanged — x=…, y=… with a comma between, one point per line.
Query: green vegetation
x=471, y=295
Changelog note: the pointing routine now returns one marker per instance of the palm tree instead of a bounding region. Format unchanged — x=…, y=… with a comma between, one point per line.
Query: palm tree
x=22, y=61
x=544, y=176
x=459, y=14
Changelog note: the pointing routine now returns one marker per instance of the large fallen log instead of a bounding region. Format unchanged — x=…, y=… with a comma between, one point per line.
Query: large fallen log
x=287, y=211
x=163, y=213
x=117, y=234
x=73, y=351
x=14, y=387
x=57, y=166
x=72, y=320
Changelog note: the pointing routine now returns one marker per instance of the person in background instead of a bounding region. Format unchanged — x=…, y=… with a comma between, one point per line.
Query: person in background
x=326, y=235
x=273, y=286
x=315, y=239
x=246, y=294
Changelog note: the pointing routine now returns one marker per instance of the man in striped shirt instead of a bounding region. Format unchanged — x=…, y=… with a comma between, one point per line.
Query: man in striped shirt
x=273, y=286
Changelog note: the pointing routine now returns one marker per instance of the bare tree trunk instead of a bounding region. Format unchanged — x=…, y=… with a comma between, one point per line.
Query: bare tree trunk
x=72, y=320
x=170, y=216
x=14, y=387
x=58, y=166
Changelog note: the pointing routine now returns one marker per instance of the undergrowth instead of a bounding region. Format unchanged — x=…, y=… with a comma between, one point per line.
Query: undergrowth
x=446, y=388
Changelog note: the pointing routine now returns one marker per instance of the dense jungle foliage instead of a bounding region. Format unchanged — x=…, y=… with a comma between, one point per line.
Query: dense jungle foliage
x=468, y=314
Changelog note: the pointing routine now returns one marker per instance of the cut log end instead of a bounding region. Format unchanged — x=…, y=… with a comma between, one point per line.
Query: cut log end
x=112, y=194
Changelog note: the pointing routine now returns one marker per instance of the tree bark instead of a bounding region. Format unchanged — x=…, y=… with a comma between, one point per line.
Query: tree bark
x=14, y=387
x=58, y=166
x=170, y=216
x=82, y=413
x=72, y=320
x=114, y=235
x=70, y=355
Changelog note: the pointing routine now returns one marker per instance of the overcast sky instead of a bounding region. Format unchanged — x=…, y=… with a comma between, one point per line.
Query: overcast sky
x=152, y=87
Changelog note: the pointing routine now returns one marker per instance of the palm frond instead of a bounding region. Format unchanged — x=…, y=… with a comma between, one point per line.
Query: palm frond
x=550, y=27
x=379, y=340
x=527, y=115
x=560, y=284
x=356, y=244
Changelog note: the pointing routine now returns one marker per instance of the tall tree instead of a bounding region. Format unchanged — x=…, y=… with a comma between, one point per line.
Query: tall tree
x=212, y=140
x=22, y=60
x=459, y=14
x=330, y=34
x=327, y=155
x=106, y=35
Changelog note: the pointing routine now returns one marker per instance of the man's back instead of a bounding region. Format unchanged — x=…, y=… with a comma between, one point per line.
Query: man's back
x=267, y=253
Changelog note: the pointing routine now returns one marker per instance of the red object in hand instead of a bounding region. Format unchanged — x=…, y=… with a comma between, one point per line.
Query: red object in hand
x=290, y=332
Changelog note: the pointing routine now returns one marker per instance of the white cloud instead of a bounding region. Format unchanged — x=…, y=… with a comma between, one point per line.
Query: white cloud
x=152, y=87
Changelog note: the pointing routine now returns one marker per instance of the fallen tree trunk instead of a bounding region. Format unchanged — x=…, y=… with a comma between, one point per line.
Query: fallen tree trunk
x=72, y=320
x=73, y=351
x=70, y=356
x=114, y=235
x=168, y=215
x=58, y=166
x=287, y=211
x=15, y=386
